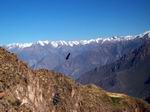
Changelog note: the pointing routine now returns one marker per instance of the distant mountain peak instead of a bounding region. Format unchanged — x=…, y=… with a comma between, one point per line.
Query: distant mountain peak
x=42, y=43
x=59, y=43
x=56, y=44
x=145, y=33
x=19, y=45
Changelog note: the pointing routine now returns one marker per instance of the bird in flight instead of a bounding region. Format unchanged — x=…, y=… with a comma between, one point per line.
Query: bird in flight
x=67, y=57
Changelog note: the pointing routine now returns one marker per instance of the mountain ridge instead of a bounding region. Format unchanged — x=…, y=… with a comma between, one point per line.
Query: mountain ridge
x=65, y=43
x=75, y=42
x=84, y=55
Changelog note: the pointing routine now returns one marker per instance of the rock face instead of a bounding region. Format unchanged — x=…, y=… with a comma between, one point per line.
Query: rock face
x=130, y=74
x=26, y=90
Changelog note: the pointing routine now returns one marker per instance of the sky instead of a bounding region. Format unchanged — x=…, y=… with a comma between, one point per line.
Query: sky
x=32, y=20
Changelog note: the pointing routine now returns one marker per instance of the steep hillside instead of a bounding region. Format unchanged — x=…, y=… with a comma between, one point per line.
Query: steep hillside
x=130, y=74
x=25, y=90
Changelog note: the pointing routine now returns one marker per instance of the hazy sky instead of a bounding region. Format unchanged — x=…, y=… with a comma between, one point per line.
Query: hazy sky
x=32, y=20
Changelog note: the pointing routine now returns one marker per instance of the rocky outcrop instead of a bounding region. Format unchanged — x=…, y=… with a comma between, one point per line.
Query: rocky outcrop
x=26, y=90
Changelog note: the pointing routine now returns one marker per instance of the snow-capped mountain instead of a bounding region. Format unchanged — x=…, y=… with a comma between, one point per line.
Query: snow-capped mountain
x=84, y=55
x=69, y=43
x=75, y=43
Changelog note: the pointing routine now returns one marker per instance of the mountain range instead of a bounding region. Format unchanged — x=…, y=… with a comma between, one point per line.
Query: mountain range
x=117, y=64
x=85, y=55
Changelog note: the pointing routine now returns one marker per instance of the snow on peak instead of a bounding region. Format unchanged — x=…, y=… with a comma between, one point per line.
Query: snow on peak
x=55, y=44
x=20, y=45
x=42, y=43
x=142, y=35
x=59, y=43
x=147, y=32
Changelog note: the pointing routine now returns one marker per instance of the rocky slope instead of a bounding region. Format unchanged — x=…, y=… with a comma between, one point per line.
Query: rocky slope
x=26, y=90
x=130, y=74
